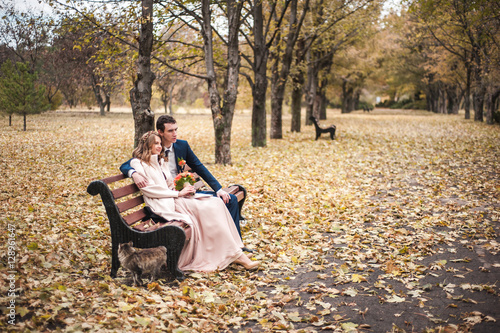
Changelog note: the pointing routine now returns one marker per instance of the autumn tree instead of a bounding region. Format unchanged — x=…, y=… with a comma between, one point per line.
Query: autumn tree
x=337, y=25
x=223, y=95
x=104, y=68
x=119, y=30
x=402, y=61
x=19, y=91
x=199, y=18
x=282, y=57
x=311, y=39
x=260, y=29
x=468, y=30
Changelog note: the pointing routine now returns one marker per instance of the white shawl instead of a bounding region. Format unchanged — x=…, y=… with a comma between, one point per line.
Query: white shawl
x=159, y=193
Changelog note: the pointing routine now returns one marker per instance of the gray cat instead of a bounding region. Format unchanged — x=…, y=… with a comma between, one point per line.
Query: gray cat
x=139, y=261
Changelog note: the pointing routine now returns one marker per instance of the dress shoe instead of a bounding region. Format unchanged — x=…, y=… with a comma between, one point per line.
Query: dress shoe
x=246, y=249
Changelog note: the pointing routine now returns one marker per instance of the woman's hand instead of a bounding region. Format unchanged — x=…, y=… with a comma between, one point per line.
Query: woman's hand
x=187, y=191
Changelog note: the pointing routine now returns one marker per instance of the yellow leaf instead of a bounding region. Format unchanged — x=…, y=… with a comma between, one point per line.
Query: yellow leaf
x=357, y=278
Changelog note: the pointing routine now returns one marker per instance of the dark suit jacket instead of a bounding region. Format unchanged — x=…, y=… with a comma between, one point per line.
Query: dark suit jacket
x=184, y=151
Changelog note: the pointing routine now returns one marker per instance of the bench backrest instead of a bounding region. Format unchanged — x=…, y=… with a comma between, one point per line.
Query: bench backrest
x=127, y=190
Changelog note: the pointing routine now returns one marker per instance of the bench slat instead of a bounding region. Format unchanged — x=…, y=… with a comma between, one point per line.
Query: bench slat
x=134, y=217
x=113, y=179
x=239, y=195
x=131, y=203
x=124, y=191
x=231, y=189
x=199, y=184
x=236, y=191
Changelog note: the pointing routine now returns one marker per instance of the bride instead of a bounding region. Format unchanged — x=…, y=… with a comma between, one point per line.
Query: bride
x=214, y=242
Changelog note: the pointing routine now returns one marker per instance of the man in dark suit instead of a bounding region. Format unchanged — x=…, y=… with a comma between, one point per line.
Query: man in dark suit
x=167, y=129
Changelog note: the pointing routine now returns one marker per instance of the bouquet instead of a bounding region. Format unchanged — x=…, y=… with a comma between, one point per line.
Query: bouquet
x=182, y=179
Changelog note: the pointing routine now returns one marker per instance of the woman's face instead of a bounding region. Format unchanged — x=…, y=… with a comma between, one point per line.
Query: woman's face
x=156, y=149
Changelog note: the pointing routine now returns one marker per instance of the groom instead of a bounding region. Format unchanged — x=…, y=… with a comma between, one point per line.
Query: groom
x=166, y=126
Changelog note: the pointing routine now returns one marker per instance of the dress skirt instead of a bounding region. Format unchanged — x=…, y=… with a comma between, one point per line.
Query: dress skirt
x=215, y=242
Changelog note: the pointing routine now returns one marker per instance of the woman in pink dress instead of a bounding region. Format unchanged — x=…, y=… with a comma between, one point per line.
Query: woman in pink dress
x=214, y=242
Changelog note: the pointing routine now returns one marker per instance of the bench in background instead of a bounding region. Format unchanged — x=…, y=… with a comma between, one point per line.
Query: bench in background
x=319, y=130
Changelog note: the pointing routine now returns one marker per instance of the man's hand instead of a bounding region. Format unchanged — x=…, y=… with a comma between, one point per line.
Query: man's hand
x=139, y=180
x=223, y=195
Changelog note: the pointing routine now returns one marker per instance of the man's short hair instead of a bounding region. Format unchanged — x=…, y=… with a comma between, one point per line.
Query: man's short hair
x=162, y=120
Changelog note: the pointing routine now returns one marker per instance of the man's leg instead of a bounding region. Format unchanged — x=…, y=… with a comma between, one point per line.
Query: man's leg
x=234, y=210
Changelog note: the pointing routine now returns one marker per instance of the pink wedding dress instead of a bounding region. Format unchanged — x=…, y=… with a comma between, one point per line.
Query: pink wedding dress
x=215, y=242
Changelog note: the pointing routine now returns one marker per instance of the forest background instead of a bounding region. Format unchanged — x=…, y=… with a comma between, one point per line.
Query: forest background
x=392, y=226
x=263, y=56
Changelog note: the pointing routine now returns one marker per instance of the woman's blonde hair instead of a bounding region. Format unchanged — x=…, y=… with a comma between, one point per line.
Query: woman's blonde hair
x=144, y=149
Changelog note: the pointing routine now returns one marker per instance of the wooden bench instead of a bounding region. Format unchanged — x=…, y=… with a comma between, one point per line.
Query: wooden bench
x=133, y=226
x=319, y=130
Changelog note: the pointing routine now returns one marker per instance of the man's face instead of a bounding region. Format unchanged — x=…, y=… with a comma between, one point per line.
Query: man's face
x=169, y=135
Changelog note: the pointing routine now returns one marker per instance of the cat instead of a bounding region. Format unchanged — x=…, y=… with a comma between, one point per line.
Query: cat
x=139, y=261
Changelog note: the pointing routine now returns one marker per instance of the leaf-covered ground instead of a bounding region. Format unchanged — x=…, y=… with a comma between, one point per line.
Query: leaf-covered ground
x=392, y=227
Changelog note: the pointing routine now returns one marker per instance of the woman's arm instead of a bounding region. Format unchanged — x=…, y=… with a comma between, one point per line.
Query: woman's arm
x=128, y=171
x=152, y=190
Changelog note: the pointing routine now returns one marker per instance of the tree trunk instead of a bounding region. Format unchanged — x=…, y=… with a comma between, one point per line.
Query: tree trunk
x=222, y=116
x=480, y=90
x=432, y=95
x=491, y=102
x=320, y=63
x=140, y=94
x=259, y=88
x=223, y=153
x=278, y=91
x=350, y=97
x=108, y=103
x=70, y=99
x=275, y=70
x=495, y=107
x=171, y=98
x=279, y=81
x=354, y=101
x=317, y=103
x=442, y=100
x=10, y=120
x=311, y=88
x=478, y=104
x=467, y=92
x=277, y=110
x=323, y=101
x=346, y=97
x=164, y=100
x=298, y=82
x=326, y=66
x=452, y=100
x=488, y=106
x=94, y=80
x=24, y=122
x=259, y=121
